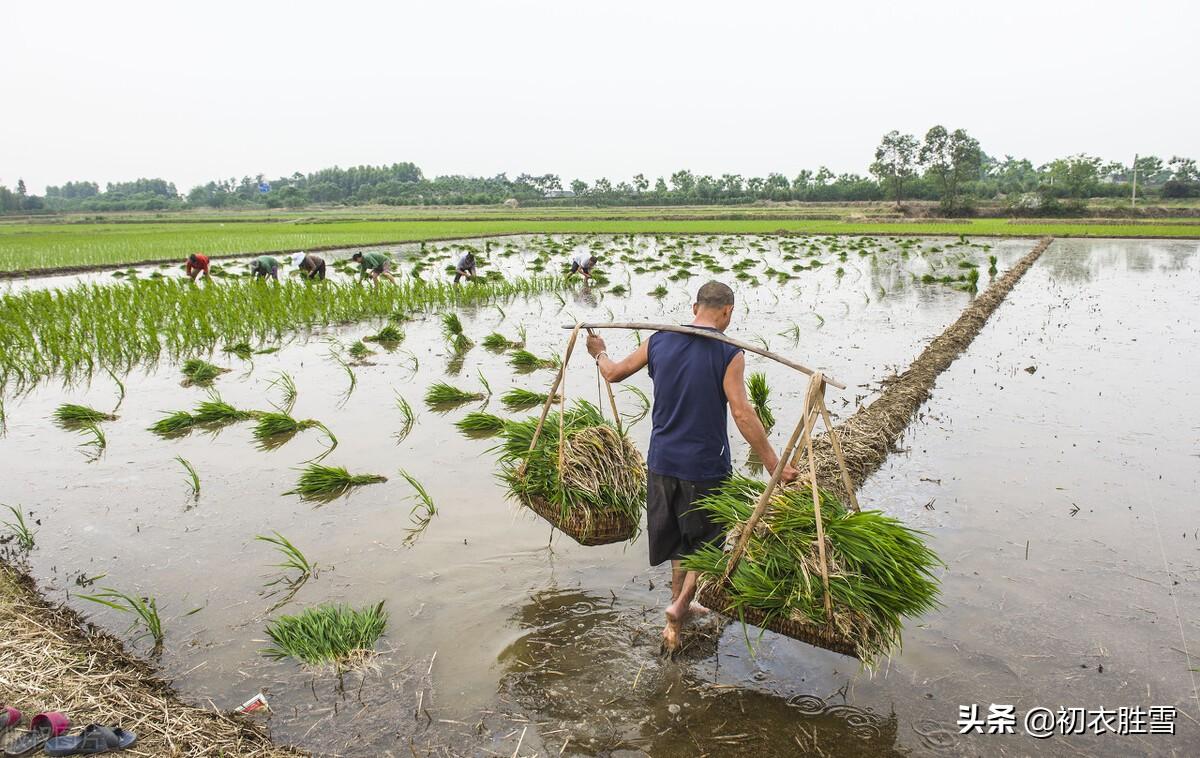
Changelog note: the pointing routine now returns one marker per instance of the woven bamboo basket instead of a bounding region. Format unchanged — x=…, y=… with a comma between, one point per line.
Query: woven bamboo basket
x=713, y=597
x=586, y=528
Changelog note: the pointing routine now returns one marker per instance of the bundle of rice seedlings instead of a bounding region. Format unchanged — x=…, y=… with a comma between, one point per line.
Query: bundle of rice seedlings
x=274, y=428
x=359, y=350
x=324, y=483
x=388, y=335
x=451, y=325
x=498, y=342
x=879, y=570
x=216, y=412
x=760, y=394
x=603, y=475
x=441, y=395
x=199, y=372
x=518, y=399
x=478, y=423
x=523, y=359
x=328, y=635
x=240, y=349
x=70, y=414
x=174, y=424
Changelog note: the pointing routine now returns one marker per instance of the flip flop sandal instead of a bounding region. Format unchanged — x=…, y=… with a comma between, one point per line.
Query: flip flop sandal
x=43, y=727
x=93, y=739
x=9, y=717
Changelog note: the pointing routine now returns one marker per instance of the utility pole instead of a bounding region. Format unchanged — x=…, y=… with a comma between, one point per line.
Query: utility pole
x=1133, y=202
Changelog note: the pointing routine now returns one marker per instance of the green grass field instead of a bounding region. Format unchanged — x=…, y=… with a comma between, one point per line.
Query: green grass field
x=50, y=246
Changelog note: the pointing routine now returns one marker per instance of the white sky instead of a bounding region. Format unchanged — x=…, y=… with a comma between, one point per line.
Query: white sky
x=191, y=92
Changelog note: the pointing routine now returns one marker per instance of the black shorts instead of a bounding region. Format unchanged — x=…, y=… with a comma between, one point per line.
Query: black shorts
x=677, y=528
x=575, y=267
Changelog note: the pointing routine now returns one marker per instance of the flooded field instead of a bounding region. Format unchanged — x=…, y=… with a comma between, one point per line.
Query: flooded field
x=1060, y=498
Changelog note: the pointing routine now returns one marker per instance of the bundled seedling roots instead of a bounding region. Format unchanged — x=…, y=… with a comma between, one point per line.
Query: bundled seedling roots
x=872, y=432
x=879, y=570
x=598, y=495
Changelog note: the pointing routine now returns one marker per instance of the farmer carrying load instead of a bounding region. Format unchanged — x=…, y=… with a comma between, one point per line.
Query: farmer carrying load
x=197, y=263
x=264, y=266
x=376, y=264
x=310, y=266
x=465, y=267
x=583, y=261
x=694, y=379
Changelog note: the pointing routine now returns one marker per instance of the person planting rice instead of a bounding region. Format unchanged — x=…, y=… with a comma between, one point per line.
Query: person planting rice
x=376, y=264
x=465, y=267
x=695, y=378
x=264, y=266
x=197, y=264
x=309, y=265
x=583, y=262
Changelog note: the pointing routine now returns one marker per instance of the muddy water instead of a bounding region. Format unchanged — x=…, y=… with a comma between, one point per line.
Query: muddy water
x=500, y=639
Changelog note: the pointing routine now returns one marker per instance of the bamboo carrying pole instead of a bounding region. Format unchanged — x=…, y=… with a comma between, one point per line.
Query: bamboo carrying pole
x=718, y=336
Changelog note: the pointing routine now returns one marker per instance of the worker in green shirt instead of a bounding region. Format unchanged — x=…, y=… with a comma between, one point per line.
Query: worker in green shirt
x=264, y=266
x=376, y=264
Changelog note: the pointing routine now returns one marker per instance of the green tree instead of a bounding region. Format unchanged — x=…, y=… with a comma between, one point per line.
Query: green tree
x=1075, y=176
x=951, y=158
x=640, y=183
x=1183, y=169
x=896, y=162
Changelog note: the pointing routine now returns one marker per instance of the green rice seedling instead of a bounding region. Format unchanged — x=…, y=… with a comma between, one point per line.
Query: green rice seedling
x=792, y=331
x=518, y=399
x=120, y=390
x=387, y=336
x=442, y=394
x=327, y=635
x=480, y=424
x=286, y=386
x=241, y=350
x=604, y=472
x=274, y=428
x=660, y=291
x=760, y=394
x=174, y=424
x=200, y=372
x=326, y=483
x=292, y=560
x=460, y=343
x=527, y=361
x=350, y=375
x=451, y=325
x=880, y=570
x=193, y=479
x=992, y=265
x=19, y=530
x=972, y=280
x=94, y=438
x=359, y=351
x=498, y=342
x=632, y=419
x=423, y=509
x=144, y=610
x=487, y=387
x=408, y=415
x=216, y=412
x=3, y=417
x=759, y=339
x=71, y=415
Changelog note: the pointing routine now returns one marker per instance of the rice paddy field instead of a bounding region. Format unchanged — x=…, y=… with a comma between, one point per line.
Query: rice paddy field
x=331, y=466
x=76, y=244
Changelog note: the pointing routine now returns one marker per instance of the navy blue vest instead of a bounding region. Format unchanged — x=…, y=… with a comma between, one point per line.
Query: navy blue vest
x=690, y=438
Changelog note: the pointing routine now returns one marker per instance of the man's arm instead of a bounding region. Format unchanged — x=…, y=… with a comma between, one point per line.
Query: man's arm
x=615, y=371
x=747, y=420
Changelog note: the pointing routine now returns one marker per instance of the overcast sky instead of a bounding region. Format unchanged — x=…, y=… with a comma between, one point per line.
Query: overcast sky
x=197, y=91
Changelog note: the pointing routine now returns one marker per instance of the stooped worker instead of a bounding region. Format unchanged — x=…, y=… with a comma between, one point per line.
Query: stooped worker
x=583, y=261
x=465, y=267
x=264, y=266
x=695, y=378
x=197, y=264
x=376, y=264
x=310, y=266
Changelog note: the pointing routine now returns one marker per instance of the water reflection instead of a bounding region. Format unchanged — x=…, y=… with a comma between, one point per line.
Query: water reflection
x=590, y=672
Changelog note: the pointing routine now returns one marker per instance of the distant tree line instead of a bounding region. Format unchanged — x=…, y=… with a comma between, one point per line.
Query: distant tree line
x=945, y=166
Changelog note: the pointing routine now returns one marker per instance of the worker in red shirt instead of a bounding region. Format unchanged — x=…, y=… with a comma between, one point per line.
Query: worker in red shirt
x=197, y=264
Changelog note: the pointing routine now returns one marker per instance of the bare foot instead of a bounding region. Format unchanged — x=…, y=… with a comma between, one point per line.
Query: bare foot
x=671, y=637
x=697, y=610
